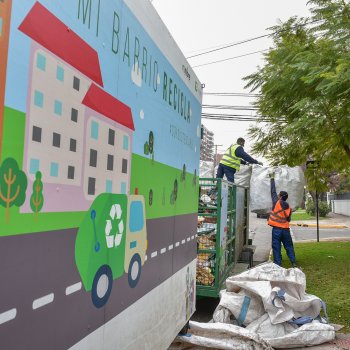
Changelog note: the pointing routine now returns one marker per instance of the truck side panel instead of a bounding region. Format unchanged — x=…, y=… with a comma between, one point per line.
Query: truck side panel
x=97, y=103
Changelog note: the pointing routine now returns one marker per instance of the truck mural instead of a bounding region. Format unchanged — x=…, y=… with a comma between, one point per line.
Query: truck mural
x=99, y=151
x=111, y=240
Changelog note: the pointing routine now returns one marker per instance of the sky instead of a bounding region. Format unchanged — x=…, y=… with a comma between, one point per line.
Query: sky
x=202, y=25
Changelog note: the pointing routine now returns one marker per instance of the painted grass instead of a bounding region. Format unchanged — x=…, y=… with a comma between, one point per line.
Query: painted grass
x=327, y=269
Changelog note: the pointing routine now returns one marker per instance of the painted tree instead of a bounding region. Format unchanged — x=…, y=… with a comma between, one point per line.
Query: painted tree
x=304, y=87
x=37, y=198
x=13, y=185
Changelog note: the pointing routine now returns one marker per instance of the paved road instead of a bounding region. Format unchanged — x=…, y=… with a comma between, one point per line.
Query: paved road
x=307, y=233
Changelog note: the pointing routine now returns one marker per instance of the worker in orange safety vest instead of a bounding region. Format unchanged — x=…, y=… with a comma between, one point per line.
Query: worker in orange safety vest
x=279, y=220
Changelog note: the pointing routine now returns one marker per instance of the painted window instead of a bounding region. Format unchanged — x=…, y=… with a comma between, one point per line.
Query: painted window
x=111, y=137
x=124, y=166
x=34, y=165
x=73, y=145
x=56, y=140
x=41, y=61
x=36, y=134
x=123, y=188
x=136, y=216
x=125, y=142
x=54, y=169
x=76, y=83
x=38, y=98
x=109, y=186
x=94, y=130
x=58, y=107
x=0, y=26
x=70, y=174
x=60, y=73
x=74, y=115
x=91, y=185
x=110, y=162
x=93, y=158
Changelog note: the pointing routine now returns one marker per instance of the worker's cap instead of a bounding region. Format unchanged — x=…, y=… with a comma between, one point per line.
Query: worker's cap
x=283, y=195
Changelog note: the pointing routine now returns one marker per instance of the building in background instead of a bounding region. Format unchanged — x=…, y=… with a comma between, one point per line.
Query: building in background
x=207, y=144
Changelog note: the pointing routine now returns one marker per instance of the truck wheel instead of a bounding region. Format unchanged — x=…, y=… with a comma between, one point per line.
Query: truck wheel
x=134, y=272
x=102, y=286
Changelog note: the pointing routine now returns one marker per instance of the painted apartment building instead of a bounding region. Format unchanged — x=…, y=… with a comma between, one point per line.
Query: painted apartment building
x=65, y=89
x=5, y=15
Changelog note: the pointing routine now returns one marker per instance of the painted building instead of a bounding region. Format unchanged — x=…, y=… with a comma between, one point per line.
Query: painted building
x=5, y=15
x=62, y=91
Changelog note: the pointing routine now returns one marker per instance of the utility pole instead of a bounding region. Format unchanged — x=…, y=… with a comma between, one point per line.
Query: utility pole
x=313, y=167
x=216, y=152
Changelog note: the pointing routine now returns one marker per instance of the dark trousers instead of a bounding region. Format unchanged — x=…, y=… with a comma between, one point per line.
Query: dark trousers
x=279, y=236
x=226, y=170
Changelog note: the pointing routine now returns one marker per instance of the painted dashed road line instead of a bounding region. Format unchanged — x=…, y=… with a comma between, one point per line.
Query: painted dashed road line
x=49, y=298
x=40, y=302
x=8, y=315
x=73, y=288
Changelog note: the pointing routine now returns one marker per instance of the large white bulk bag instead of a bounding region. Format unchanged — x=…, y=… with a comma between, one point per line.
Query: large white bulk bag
x=286, y=178
x=242, y=177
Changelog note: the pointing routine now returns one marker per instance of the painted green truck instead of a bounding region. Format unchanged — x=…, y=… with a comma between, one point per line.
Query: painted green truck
x=111, y=241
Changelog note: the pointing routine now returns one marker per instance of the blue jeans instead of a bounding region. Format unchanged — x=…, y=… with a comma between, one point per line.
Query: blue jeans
x=282, y=236
x=226, y=170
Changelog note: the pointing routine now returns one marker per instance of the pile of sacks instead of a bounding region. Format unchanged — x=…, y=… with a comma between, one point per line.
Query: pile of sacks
x=290, y=179
x=263, y=308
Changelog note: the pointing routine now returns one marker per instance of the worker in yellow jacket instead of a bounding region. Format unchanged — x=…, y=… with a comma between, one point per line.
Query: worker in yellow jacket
x=232, y=160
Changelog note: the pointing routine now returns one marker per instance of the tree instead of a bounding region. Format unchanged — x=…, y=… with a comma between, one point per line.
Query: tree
x=304, y=86
x=13, y=185
x=37, y=198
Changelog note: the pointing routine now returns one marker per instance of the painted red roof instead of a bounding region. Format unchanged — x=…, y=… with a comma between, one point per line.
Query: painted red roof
x=107, y=105
x=47, y=30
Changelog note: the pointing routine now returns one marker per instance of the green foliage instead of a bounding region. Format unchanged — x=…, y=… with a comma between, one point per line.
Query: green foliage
x=323, y=208
x=304, y=86
x=325, y=264
x=37, y=198
x=13, y=185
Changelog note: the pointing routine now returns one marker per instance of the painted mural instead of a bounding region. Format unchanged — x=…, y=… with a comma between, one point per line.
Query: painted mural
x=99, y=151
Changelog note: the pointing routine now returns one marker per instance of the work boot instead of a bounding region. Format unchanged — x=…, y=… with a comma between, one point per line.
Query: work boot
x=295, y=265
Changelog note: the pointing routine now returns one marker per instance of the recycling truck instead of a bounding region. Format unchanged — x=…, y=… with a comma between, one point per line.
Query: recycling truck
x=111, y=240
x=100, y=120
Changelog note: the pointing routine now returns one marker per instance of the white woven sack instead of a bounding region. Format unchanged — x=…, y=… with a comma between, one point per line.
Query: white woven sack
x=242, y=177
x=286, y=179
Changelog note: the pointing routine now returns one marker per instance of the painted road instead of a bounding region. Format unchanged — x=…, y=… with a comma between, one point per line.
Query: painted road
x=42, y=294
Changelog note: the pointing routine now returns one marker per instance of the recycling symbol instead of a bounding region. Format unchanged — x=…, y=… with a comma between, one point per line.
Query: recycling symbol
x=114, y=226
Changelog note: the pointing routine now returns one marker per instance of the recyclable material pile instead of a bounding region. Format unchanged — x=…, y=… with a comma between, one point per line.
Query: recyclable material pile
x=263, y=308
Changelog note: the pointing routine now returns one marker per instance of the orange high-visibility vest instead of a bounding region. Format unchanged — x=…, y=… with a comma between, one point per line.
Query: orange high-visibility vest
x=278, y=216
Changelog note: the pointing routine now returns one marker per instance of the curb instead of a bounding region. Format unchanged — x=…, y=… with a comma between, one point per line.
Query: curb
x=315, y=225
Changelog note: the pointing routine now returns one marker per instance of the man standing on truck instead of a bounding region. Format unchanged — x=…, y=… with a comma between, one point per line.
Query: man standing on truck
x=279, y=220
x=232, y=159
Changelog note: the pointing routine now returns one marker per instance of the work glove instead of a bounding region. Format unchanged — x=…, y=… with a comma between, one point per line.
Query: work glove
x=260, y=163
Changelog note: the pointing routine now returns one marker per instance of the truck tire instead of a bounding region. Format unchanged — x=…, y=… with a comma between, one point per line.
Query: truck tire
x=134, y=271
x=102, y=286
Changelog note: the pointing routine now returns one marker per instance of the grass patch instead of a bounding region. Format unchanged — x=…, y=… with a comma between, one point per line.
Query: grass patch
x=301, y=215
x=326, y=266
